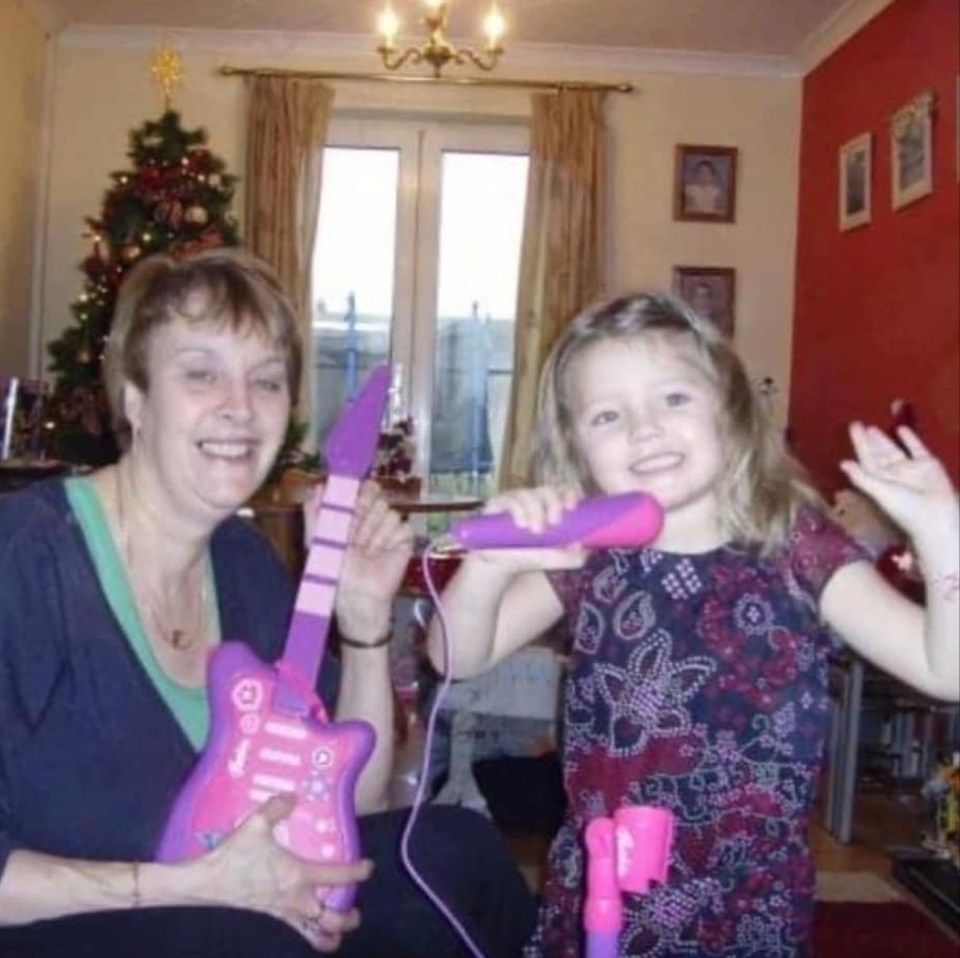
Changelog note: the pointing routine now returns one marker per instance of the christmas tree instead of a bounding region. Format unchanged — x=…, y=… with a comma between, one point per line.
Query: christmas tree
x=175, y=200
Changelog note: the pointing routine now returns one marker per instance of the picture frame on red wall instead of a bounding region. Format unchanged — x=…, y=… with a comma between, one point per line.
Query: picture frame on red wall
x=856, y=178
x=911, y=151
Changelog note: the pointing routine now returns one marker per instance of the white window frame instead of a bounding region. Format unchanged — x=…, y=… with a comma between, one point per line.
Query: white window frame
x=421, y=144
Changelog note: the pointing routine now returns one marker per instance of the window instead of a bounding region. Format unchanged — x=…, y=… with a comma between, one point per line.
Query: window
x=417, y=263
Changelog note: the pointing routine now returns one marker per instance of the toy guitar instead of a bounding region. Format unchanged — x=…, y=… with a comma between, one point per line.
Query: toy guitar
x=269, y=732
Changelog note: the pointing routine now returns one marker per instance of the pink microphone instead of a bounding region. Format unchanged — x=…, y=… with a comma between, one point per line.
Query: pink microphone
x=623, y=521
x=627, y=852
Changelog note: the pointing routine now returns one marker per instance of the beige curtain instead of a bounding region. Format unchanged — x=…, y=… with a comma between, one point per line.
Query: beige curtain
x=287, y=122
x=562, y=257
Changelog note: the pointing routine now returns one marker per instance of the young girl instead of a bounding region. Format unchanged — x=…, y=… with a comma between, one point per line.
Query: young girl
x=698, y=671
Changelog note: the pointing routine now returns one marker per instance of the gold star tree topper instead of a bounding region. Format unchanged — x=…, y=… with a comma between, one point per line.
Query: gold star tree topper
x=166, y=68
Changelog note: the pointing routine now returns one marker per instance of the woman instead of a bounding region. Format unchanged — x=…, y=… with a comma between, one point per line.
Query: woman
x=114, y=589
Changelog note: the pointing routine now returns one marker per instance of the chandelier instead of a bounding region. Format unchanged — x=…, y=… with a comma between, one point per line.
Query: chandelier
x=437, y=49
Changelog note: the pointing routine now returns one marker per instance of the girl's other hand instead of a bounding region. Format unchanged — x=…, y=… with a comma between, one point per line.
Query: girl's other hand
x=908, y=483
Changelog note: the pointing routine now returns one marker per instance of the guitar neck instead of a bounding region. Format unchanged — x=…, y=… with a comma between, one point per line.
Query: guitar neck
x=313, y=610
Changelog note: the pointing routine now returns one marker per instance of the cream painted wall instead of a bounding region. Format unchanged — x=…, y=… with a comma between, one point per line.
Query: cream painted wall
x=103, y=90
x=22, y=83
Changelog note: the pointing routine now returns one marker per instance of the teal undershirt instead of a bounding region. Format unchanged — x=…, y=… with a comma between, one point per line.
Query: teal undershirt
x=189, y=706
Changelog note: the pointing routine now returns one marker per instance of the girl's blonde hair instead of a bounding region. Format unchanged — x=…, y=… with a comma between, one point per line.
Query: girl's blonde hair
x=223, y=286
x=761, y=485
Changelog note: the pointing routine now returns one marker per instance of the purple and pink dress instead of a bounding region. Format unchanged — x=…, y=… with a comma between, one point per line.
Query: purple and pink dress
x=699, y=683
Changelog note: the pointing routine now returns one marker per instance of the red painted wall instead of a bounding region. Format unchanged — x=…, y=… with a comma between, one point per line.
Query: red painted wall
x=878, y=307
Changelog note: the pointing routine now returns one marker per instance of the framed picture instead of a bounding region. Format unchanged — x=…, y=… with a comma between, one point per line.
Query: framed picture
x=911, y=169
x=709, y=291
x=855, y=180
x=705, y=184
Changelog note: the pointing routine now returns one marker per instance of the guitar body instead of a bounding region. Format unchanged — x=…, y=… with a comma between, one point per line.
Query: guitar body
x=258, y=749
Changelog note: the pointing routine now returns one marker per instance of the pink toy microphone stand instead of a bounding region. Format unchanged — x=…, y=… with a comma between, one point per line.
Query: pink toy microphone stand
x=624, y=853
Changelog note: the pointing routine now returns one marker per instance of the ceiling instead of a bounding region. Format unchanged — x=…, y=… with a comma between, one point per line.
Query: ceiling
x=739, y=27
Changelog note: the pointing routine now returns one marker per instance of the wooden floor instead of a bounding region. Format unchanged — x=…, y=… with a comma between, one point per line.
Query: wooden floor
x=880, y=821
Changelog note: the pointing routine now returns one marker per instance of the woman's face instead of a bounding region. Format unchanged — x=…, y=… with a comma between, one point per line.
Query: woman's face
x=214, y=416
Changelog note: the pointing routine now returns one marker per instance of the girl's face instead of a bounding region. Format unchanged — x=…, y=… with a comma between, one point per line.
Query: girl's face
x=646, y=420
x=213, y=418
x=705, y=174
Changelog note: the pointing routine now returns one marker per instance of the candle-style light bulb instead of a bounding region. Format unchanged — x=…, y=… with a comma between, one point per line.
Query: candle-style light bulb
x=494, y=27
x=434, y=5
x=388, y=26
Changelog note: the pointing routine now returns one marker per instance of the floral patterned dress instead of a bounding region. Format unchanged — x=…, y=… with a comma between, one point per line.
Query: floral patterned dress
x=699, y=683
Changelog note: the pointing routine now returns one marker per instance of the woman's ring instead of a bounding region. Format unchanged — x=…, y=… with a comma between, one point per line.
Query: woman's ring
x=312, y=925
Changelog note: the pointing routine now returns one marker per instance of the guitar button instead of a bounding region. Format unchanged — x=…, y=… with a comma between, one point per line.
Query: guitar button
x=322, y=757
x=247, y=695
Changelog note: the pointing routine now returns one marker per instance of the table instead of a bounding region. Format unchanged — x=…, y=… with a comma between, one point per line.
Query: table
x=846, y=689
x=432, y=503
x=282, y=521
x=855, y=689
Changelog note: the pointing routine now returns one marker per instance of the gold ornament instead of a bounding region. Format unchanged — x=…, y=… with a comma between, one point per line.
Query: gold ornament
x=166, y=68
x=196, y=215
x=130, y=252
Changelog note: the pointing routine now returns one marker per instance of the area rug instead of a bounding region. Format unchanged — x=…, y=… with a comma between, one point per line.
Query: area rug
x=888, y=929
x=862, y=887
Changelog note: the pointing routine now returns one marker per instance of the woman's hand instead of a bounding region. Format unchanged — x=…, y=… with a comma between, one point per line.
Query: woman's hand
x=378, y=550
x=251, y=869
x=909, y=484
x=535, y=509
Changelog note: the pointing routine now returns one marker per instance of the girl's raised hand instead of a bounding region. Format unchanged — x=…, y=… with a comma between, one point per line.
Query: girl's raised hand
x=909, y=483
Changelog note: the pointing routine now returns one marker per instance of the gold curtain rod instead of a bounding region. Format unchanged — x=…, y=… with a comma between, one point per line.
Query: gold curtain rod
x=442, y=80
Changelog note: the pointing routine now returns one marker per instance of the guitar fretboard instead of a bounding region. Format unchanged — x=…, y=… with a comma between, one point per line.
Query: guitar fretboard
x=313, y=610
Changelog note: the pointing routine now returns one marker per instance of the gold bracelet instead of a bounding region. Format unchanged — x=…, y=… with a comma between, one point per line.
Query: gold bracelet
x=135, y=900
x=376, y=644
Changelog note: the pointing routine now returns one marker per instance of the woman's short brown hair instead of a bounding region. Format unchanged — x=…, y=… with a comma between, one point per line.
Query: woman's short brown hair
x=223, y=287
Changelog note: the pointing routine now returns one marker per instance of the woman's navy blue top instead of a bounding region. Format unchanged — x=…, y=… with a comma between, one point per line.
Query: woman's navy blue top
x=91, y=758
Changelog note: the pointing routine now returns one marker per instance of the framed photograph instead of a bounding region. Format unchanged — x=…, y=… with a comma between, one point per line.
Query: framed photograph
x=911, y=168
x=855, y=180
x=709, y=291
x=705, y=184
